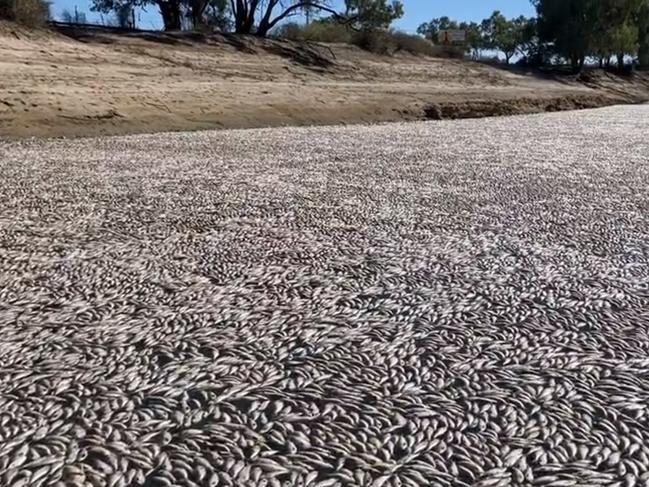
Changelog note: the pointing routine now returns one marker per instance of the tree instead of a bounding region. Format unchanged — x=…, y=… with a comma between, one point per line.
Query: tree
x=569, y=27
x=502, y=34
x=511, y=37
x=372, y=14
x=624, y=40
x=259, y=17
x=475, y=40
x=430, y=30
x=309, y=11
x=208, y=14
x=643, y=34
x=601, y=48
x=125, y=17
x=170, y=10
x=617, y=31
x=217, y=16
x=528, y=39
x=73, y=18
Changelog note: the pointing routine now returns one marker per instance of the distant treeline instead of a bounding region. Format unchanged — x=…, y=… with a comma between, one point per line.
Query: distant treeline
x=575, y=32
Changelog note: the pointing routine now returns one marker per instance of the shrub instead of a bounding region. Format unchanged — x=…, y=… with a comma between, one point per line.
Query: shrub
x=327, y=32
x=375, y=40
x=413, y=44
x=31, y=13
x=379, y=41
x=390, y=42
x=449, y=52
x=291, y=31
x=315, y=31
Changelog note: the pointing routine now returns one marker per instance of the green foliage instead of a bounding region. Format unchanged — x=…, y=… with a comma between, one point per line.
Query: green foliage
x=364, y=23
x=616, y=33
x=32, y=13
x=194, y=14
x=570, y=26
x=574, y=30
x=379, y=41
x=413, y=44
x=373, y=14
x=475, y=40
x=623, y=39
x=389, y=42
x=601, y=28
x=430, y=30
x=323, y=30
x=497, y=33
x=327, y=32
x=502, y=34
x=529, y=39
x=374, y=40
x=643, y=34
x=509, y=36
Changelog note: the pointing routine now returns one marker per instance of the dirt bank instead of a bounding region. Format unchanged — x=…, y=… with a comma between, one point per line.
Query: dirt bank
x=77, y=82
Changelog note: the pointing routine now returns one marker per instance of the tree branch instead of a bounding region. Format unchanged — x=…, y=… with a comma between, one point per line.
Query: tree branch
x=293, y=8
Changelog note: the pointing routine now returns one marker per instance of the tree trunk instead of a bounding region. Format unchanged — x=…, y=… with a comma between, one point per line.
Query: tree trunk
x=249, y=18
x=262, y=30
x=574, y=63
x=577, y=62
x=241, y=24
x=643, y=54
x=264, y=24
x=620, y=61
x=197, y=10
x=170, y=12
x=601, y=62
x=643, y=36
x=239, y=21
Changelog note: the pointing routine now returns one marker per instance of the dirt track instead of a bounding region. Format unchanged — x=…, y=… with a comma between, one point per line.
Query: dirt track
x=453, y=303
x=94, y=82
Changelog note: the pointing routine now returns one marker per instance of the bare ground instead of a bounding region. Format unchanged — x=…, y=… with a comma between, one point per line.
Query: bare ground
x=79, y=82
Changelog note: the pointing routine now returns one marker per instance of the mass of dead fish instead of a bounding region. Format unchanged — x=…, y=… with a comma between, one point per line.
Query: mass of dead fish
x=430, y=304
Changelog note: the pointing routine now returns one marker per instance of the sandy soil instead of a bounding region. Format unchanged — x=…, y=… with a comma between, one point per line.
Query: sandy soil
x=88, y=82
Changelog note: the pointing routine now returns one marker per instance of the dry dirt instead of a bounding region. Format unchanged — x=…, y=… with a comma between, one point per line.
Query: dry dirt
x=88, y=82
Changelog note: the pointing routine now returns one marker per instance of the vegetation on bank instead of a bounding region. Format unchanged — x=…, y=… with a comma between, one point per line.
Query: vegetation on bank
x=32, y=13
x=576, y=32
x=573, y=31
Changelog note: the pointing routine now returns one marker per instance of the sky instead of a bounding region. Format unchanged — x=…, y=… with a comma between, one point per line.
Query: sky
x=416, y=11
